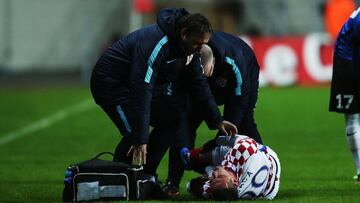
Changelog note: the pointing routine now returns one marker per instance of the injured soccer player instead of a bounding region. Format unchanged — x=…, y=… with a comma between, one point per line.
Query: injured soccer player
x=233, y=168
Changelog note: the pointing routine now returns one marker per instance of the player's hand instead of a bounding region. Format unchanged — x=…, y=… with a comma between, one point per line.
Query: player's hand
x=227, y=128
x=138, y=153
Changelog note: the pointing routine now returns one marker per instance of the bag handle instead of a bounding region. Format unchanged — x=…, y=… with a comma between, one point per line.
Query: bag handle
x=102, y=153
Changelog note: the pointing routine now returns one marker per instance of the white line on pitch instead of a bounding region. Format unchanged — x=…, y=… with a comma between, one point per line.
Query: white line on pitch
x=47, y=121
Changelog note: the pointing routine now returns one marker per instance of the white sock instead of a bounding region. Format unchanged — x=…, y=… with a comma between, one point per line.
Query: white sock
x=353, y=137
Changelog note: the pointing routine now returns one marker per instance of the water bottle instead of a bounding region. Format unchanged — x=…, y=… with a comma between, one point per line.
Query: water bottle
x=68, y=175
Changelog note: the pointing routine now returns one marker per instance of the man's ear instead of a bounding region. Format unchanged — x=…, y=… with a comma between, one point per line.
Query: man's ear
x=183, y=33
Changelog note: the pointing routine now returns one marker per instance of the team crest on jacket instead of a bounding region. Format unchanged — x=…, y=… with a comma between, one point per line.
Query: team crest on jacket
x=189, y=58
x=221, y=81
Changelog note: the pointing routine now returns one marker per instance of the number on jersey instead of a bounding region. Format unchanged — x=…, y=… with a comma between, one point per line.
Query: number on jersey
x=344, y=101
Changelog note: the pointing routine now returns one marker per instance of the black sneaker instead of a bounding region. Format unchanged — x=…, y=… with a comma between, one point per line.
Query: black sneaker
x=171, y=189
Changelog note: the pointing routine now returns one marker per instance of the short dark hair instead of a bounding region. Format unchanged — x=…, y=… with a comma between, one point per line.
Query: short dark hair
x=195, y=23
x=225, y=194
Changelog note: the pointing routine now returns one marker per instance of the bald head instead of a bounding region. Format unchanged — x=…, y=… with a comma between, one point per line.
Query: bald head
x=207, y=60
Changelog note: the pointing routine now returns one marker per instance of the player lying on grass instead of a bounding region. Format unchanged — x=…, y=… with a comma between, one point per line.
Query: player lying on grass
x=236, y=168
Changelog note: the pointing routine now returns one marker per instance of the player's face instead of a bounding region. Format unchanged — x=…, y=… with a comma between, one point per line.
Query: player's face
x=220, y=178
x=192, y=42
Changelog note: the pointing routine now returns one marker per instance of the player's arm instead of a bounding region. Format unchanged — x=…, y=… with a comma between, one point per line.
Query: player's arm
x=234, y=108
x=355, y=42
x=200, y=91
x=146, y=59
x=355, y=36
x=242, y=90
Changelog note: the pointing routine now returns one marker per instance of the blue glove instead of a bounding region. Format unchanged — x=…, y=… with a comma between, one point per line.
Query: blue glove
x=185, y=157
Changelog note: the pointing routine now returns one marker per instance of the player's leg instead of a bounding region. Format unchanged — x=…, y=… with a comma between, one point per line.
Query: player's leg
x=199, y=159
x=165, y=121
x=175, y=166
x=118, y=115
x=344, y=98
x=159, y=142
x=121, y=150
x=353, y=138
x=118, y=112
x=187, y=131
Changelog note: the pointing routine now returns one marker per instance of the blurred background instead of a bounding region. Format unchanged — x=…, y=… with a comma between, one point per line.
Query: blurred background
x=48, y=119
x=47, y=41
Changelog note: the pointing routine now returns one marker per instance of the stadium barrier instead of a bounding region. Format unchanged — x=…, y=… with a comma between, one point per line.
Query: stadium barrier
x=294, y=60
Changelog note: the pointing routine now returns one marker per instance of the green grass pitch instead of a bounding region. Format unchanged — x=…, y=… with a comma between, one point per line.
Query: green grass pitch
x=310, y=142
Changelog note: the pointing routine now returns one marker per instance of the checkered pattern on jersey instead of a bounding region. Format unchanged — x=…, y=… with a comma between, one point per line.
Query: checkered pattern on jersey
x=235, y=159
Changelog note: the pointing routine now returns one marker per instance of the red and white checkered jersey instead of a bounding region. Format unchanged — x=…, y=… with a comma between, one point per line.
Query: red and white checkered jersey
x=256, y=168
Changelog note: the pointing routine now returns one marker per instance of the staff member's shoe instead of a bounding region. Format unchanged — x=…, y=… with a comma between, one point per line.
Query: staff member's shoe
x=171, y=189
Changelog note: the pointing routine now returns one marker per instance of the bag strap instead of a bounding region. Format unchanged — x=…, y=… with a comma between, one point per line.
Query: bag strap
x=102, y=153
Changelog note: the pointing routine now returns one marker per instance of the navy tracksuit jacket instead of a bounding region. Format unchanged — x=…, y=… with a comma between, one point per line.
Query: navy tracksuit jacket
x=235, y=81
x=346, y=68
x=234, y=84
x=169, y=112
x=124, y=78
x=347, y=45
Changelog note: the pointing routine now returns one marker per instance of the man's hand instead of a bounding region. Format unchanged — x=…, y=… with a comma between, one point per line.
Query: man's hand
x=138, y=153
x=227, y=128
